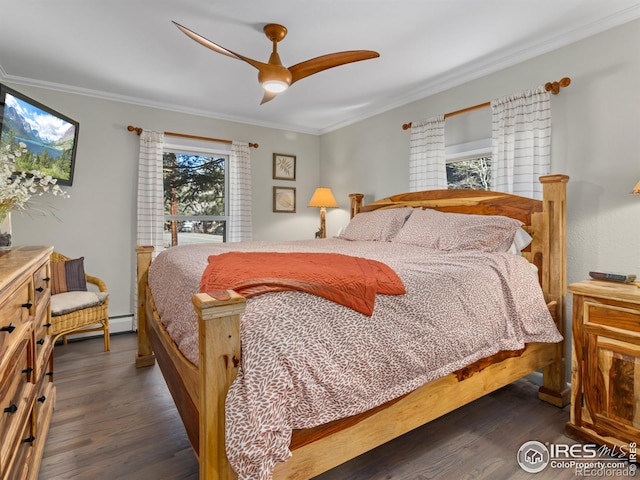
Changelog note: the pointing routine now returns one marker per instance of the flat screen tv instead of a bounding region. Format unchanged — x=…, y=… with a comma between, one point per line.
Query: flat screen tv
x=51, y=138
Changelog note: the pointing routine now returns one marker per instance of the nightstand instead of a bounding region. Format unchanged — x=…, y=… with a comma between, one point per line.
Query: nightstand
x=605, y=365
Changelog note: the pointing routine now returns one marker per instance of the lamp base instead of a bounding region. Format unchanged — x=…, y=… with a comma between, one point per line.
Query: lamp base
x=323, y=228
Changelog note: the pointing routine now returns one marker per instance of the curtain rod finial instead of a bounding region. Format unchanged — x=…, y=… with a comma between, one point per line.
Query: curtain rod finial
x=554, y=87
x=131, y=128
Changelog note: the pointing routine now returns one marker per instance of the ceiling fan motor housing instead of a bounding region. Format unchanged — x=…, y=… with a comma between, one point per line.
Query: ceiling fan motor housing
x=274, y=77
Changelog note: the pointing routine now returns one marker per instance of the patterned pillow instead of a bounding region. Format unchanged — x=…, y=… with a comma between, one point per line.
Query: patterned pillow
x=458, y=231
x=377, y=226
x=68, y=276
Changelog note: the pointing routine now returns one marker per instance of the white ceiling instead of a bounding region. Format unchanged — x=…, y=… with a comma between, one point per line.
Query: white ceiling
x=130, y=51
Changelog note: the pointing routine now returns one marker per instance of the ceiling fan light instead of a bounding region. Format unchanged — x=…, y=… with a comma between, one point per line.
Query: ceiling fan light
x=275, y=86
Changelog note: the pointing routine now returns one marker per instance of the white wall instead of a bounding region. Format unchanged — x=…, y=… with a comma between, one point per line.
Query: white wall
x=596, y=141
x=98, y=220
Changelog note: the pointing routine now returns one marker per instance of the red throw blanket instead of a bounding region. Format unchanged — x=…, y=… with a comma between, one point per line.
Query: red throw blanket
x=349, y=281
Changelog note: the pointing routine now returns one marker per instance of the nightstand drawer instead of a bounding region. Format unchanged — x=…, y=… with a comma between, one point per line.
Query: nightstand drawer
x=612, y=315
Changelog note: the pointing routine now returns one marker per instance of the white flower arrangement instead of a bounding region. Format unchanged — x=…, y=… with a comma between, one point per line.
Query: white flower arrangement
x=17, y=189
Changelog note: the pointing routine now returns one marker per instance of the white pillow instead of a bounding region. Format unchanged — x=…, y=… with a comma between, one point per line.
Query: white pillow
x=520, y=241
x=67, y=302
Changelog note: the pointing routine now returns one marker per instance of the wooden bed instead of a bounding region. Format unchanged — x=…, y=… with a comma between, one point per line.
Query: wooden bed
x=199, y=392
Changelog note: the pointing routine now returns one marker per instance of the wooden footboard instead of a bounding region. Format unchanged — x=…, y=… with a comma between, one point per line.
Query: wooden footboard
x=200, y=392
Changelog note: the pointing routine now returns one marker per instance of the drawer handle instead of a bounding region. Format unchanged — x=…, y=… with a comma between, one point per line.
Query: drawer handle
x=27, y=370
x=40, y=289
x=30, y=439
x=13, y=408
x=46, y=279
x=9, y=328
x=46, y=325
x=27, y=305
x=40, y=342
x=42, y=399
x=50, y=374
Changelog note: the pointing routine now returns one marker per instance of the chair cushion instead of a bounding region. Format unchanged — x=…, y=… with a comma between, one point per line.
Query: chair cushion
x=68, y=276
x=68, y=302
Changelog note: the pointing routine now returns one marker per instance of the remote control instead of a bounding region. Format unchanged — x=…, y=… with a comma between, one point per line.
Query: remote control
x=614, y=277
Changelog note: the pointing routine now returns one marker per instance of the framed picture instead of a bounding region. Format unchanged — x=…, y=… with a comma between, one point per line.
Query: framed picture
x=284, y=199
x=51, y=138
x=284, y=167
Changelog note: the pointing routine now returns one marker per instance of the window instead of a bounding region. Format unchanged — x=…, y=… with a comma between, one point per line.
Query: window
x=473, y=174
x=468, y=150
x=469, y=165
x=195, y=195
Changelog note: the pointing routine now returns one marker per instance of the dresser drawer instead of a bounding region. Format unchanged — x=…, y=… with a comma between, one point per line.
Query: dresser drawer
x=20, y=465
x=17, y=394
x=43, y=346
x=45, y=402
x=15, y=317
x=42, y=289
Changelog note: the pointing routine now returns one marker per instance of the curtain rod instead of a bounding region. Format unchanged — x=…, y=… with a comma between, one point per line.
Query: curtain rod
x=138, y=130
x=553, y=87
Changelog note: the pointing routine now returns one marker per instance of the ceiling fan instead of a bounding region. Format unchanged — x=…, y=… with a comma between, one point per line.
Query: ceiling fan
x=275, y=77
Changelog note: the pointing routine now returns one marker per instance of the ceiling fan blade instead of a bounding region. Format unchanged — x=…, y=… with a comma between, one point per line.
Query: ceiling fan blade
x=217, y=48
x=268, y=96
x=324, y=62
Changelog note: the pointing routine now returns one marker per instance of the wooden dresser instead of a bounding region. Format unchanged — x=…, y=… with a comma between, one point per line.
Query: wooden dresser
x=605, y=380
x=27, y=393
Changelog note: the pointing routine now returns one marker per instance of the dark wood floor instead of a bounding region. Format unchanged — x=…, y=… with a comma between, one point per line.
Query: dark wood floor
x=115, y=422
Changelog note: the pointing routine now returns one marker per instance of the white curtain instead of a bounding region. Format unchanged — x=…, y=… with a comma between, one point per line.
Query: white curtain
x=521, y=142
x=150, y=191
x=240, y=228
x=427, y=168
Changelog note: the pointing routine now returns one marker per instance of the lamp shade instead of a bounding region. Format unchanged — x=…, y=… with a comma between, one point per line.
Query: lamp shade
x=636, y=189
x=323, y=197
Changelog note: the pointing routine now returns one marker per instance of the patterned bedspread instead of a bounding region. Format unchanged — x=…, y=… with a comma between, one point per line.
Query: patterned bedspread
x=300, y=371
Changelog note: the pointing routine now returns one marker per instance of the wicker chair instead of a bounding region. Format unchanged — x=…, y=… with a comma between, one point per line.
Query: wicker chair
x=89, y=319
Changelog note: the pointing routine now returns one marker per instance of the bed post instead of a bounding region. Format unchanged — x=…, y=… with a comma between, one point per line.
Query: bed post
x=144, y=357
x=554, y=282
x=219, y=345
x=356, y=203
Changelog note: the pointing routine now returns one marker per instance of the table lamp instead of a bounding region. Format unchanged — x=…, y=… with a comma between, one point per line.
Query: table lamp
x=323, y=198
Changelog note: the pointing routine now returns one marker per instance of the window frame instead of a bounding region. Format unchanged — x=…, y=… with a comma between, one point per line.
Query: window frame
x=213, y=151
